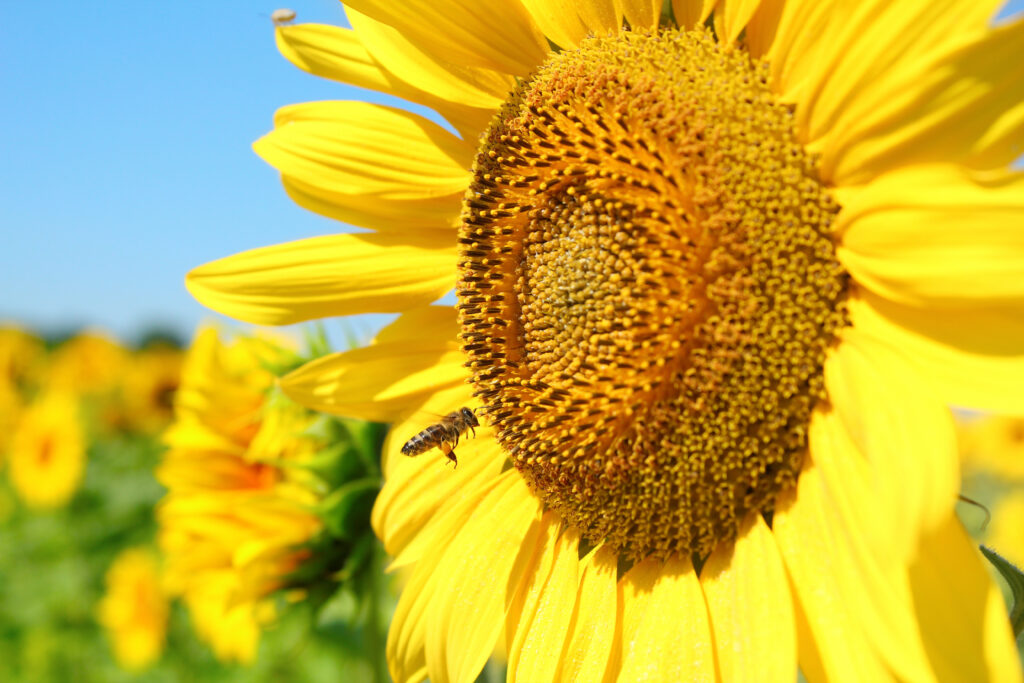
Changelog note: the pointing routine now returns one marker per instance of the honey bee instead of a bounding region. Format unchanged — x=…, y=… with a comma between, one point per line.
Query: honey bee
x=282, y=17
x=444, y=434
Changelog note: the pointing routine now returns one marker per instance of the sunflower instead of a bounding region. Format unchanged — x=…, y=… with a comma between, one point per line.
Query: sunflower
x=21, y=358
x=235, y=512
x=11, y=406
x=134, y=609
x=719, y=271
x=89, y=363
x=47, y=451
x=147, y=390
x=993, y=445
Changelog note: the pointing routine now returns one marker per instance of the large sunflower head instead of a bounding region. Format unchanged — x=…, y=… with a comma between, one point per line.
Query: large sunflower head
x=668, y=289
x=718, y=267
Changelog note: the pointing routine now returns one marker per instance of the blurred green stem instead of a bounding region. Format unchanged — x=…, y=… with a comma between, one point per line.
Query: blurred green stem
x=376, y=637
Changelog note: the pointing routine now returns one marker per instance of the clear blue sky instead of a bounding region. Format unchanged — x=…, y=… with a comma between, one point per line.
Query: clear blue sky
x=125, y=154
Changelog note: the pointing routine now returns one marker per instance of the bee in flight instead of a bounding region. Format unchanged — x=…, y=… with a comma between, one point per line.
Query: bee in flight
x=444, y=434
x=282, y=17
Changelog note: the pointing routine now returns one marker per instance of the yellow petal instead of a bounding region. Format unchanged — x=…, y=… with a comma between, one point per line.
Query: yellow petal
x=871, y=42
x=432, y=213
x=383, y=381
x=567, y=22
x=874, y=555
x=811, y=666
x=600, y=16
x=536, y=571
x=319, y=185
x=962, y=103
x=838, y=460
x=592, y=633
x=327, y=276
x=339, y=54
x=797, y=42
x=937, y=235
x=543, y=628
x=421, y=496
x=665, y=630
x=691, y=13
x=480, y=570
x=751, y=607
x=642, y=14
x=962, y=616
x=559, y=20
x=905, y=433
x=499, y=36
x=419, y=490
x=467, y=86
x=807, y=545
x=406, y=646
x=972, y=358
x=364, y=148
x=735, y=15
x=763, y=26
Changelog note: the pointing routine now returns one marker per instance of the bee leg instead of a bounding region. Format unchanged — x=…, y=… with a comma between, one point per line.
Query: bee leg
x=449, y=452
x=472, y=429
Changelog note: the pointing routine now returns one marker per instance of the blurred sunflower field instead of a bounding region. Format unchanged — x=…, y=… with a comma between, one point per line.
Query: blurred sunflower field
x=167, y=514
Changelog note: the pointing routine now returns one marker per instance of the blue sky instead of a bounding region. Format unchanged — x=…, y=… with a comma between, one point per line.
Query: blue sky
x=126, y=160
x=125, y=154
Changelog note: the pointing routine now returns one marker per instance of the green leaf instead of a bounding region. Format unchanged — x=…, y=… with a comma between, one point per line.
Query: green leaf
x=336, y=465
x=346, y=511
x=1015, y=579
x=358, y=559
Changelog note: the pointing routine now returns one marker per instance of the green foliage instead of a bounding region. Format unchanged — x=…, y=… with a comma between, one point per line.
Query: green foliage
x=52, y=566
x=1015, y=580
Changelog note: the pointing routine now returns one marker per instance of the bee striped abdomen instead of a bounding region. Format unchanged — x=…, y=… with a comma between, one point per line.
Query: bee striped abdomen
x=444, y=434
x=429, y=438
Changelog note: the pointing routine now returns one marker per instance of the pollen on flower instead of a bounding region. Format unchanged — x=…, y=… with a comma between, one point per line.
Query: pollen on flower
x=648, y=288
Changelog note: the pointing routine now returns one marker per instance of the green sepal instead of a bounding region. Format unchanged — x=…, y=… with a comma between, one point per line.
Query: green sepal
x=1015, y=580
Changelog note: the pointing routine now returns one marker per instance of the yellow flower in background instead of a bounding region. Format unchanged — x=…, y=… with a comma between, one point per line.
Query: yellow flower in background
x=47, y=451
x=237, y=510
x=220, y=394
x=1006, y=535
x=21, y=358
x=88, y=363
x=11, y=406
x=715, y=290
x=134, y=609
x=994, y=444
x=150, y=379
